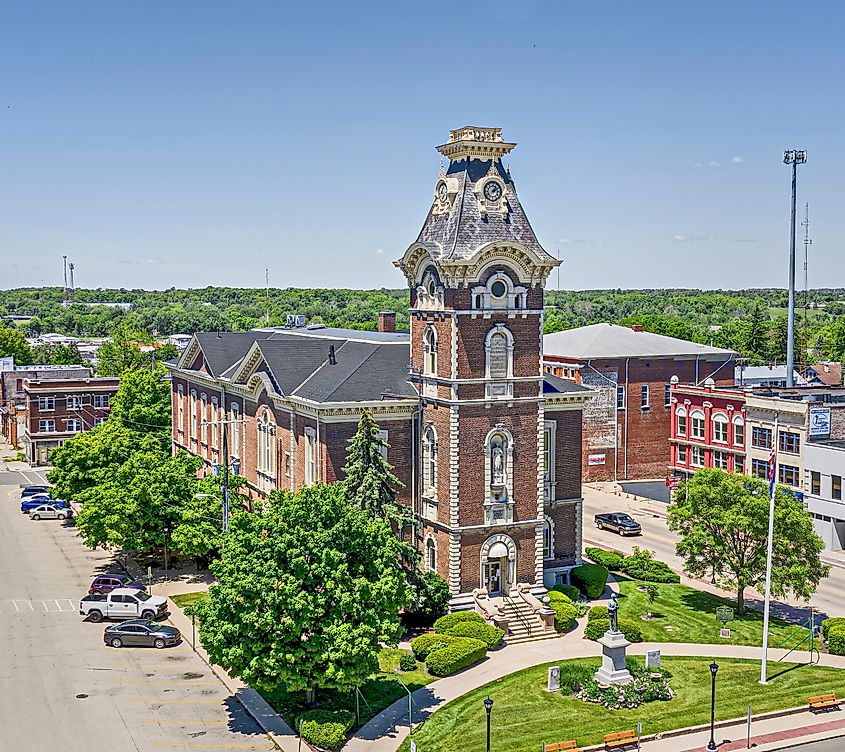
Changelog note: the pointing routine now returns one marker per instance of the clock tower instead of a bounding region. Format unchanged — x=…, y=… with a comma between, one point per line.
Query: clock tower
x=488, y=427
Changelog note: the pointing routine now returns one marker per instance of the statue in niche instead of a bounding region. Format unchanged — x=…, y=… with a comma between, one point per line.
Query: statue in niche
x=498, y=465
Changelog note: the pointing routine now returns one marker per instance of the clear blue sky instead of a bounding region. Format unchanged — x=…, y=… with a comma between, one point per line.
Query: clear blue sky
x=194, y=143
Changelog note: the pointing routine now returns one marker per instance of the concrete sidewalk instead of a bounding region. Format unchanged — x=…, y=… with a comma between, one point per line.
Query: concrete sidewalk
x=386, y=731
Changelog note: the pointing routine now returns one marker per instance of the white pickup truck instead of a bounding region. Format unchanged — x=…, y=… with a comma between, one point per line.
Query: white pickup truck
x=123, y=603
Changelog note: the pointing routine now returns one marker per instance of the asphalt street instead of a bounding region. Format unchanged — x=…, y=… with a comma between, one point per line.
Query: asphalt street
x=829, y=599
x=62, y=688
x=831, y=745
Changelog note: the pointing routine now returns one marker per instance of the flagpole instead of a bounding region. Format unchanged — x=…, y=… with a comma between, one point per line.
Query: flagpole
x=772, y=484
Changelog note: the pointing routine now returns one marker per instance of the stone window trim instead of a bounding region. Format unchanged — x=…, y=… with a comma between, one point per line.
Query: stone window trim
x=738, y=431
x=681, y=421
x=204, y=421
x=430, y=553
x=515, y=297
x=430, y=293
x=697, y=424
x=265, y=427
x=496, y=332
x=180, y=396
x=498, y=436
x=235, y=442
x=548, y=538
x=430, y=348
x=193, y=406
x=429, y=464
x=310, y=456
x=720, y=428
x=548, y=456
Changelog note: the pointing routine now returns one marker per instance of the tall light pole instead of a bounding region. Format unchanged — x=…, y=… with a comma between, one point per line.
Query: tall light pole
x=488, y=706
x=792, y=157
x=714, y=667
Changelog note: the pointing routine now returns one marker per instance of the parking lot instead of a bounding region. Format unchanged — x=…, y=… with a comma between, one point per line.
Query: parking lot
x=62, y=688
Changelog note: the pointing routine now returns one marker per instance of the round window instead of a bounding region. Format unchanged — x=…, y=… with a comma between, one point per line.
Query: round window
x=431, y=287
x=498, y=289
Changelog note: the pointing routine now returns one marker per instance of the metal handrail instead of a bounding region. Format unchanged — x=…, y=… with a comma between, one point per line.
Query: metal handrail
x=519, y=614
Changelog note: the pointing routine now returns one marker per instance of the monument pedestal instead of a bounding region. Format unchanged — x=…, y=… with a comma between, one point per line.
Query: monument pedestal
x=613, y=669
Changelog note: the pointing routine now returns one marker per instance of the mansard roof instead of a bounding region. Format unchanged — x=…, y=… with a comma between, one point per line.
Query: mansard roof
x=464, y=230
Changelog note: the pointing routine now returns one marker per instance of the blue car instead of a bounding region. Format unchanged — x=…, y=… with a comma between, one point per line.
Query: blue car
x=36, y=501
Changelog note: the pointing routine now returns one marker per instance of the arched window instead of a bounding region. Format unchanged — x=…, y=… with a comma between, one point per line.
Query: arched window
x=181, y=408
x=430, y=351
x=681, y=418
x=548, y=539
x=499, y=348
x=720, y=428
x=739, y=431
x=235, y=449
x=215, y=426
x=430, y=555
x=266, y=443
x=430, y=462
x=193, y=406
x=697, y=424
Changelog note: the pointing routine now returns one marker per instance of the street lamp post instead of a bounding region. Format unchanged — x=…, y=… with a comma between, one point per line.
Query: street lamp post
x=488, y=706
x=714, y=667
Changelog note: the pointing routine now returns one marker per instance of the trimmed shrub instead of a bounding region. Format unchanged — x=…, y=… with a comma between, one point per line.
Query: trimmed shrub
x=570, y=591
x=490, y=636
x=462, y=652
x=596, y=628
x=597, y=612
x=631, y=630
x=565, y=613
x=836, y=640
x=424, y=645
x=445, y=623
x=556, y=595
x=610, y=559
x=326, y=728
x=590, y=579
x=641, y=565
x=430, y=598
x=407, y=662
x=828, y=624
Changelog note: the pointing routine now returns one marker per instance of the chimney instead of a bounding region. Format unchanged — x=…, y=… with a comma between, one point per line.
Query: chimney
x=387, y=321
x=332, y=358
x=637, y=328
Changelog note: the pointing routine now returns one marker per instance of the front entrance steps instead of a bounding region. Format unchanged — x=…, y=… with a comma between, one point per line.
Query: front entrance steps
x=524, y=625
x=521, y=613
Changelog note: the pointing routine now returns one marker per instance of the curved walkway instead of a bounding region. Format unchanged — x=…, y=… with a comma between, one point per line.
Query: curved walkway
x=386, y=731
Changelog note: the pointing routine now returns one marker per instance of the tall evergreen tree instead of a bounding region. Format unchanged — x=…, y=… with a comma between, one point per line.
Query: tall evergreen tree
x=756, y=342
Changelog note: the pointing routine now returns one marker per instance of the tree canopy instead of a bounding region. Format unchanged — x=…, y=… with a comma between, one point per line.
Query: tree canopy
x=722, y=519
x=13, y=344
x=306, y=593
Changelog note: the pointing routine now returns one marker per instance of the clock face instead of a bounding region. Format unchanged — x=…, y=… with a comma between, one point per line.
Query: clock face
x=442, y=192
x=492, y=190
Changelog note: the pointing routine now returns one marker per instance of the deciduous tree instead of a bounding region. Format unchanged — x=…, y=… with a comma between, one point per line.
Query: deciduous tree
x=13, y=344
x=306, y=593
x=722, y=519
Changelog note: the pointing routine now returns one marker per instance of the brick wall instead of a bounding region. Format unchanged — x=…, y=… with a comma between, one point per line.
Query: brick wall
x=568, y=450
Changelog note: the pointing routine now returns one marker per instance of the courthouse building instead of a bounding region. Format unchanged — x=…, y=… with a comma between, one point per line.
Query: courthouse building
x=487, y=445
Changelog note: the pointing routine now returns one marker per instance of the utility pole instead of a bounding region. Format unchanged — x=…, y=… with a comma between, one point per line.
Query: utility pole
x=224, y=424
x=792, y=157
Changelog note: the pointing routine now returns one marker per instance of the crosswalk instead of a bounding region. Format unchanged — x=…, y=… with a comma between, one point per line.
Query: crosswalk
x=29, y=606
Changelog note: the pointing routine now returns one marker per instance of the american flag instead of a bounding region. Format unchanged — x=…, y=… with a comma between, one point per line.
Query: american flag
x=772, y=468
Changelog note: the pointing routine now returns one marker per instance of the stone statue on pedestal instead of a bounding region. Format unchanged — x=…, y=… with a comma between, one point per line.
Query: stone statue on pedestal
x=613, y=612
x=613, y=644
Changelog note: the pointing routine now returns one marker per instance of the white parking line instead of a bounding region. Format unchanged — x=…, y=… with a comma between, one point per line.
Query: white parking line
x=45, y=605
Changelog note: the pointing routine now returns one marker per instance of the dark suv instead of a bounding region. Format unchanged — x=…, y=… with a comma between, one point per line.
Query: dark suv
x=104, y=584
x=35, y=490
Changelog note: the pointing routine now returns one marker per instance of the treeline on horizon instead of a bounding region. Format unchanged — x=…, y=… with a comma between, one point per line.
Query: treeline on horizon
x=752, y=321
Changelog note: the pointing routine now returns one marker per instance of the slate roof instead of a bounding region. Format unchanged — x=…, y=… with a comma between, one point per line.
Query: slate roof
x=612, y=341
x=369, y=366
x=460, y=233
x=555, y=385
x=224, y=349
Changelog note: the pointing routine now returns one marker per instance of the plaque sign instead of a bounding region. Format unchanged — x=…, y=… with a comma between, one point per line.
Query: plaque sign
x=554, y=679
x=652, y=659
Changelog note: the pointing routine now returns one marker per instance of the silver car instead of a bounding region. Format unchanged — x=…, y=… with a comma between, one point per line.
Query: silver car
x=49, y=512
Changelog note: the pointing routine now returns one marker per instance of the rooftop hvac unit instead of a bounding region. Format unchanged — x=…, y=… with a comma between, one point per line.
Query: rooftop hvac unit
x=300, y=321
x=291, y=320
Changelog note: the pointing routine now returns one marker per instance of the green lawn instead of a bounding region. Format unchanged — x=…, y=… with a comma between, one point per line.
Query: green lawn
x=524, y=714
x=380, y=691
x=189, y=599
x=692, y=615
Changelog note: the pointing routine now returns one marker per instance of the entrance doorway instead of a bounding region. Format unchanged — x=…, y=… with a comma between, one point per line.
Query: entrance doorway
x=494, y=570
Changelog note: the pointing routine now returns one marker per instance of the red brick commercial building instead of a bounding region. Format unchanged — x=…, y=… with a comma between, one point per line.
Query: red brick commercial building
x=57, y=409
x=13, y=398
x=708, y=429
x=628, y=420
x=488, y=447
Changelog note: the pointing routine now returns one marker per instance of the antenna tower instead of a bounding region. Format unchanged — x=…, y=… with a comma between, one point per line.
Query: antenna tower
x=64, y=261
x=72, y=288
x=267, y=296
x=805, y=352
